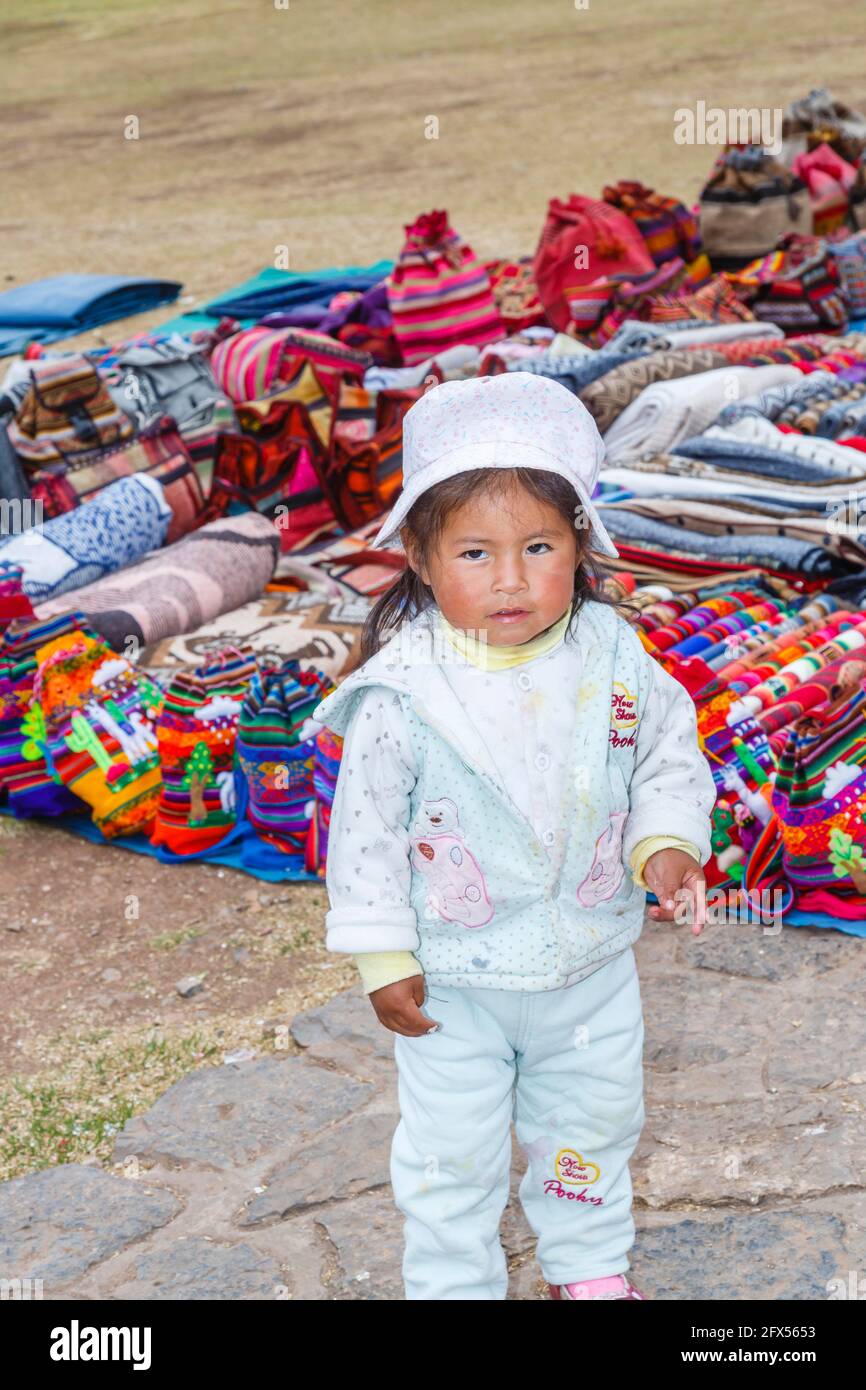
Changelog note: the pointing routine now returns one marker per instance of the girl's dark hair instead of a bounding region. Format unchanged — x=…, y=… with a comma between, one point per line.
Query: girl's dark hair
x=409, y=595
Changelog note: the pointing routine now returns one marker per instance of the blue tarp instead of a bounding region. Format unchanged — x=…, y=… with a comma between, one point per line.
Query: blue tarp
x=64, y=305
x=246, y=852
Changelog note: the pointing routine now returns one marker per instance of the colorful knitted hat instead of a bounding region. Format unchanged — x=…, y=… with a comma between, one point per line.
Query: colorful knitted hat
x=92, y=716
x=25, y=777
x=820, y=797
x=196, y=731
x=276, y=758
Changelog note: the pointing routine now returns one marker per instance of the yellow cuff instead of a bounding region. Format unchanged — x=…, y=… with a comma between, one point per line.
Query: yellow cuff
x=651, y=844
x=380, y=968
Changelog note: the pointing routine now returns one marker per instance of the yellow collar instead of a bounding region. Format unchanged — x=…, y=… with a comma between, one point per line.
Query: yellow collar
x=490, y=658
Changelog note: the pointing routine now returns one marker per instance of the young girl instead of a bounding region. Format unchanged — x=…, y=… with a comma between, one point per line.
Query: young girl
x=516, y=772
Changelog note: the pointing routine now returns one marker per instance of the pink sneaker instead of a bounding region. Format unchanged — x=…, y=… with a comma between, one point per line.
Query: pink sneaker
x=614, y=1286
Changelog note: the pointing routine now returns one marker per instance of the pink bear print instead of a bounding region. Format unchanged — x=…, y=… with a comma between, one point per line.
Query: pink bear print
x=606, y=871
x=456, y=889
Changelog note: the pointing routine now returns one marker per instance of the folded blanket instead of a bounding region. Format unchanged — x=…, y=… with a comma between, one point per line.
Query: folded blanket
x=774, y=551
x=271, y=289
x=716, y=450
x=776, y=399
x=321, y=631
x=683, y=333
x=669, y=411
x=752, y=430
x=118, y=526
x=819, y=499
x=607, y=397
x=810, y=418
x=577, y=372
x=176, y=590
x=843, y=417
x=64, y=305
x=743, y=520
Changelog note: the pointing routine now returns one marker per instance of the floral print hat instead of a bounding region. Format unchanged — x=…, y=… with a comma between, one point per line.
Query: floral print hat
x=513, y=420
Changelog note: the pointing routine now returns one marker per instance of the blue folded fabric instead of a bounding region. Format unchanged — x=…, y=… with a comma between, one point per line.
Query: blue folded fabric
x=579, y=370
x=64, y=305
x=770, y=551
x=742, y=456
x=272, y=290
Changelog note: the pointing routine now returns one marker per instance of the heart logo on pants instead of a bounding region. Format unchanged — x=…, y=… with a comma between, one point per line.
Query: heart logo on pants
x=570, y=1168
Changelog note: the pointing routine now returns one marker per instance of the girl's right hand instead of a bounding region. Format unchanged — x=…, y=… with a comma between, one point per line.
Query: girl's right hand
x=398, y=1007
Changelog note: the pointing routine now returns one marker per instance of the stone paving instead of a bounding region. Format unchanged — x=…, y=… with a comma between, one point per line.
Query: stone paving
x=268, y=1178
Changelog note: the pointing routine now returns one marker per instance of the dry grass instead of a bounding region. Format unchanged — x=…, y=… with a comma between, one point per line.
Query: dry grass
x=304, y=126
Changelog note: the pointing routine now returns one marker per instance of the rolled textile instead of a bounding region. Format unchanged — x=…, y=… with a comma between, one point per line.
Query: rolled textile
x=176, y=590
x=724, y=459
x=804, y=352
x=694, y=333
x=825, y=415
x=841, y=674
x=796, y=672
x=118, y=526
x=669, y=411
x=817, y=627
x=725, y=631
x=843, y=416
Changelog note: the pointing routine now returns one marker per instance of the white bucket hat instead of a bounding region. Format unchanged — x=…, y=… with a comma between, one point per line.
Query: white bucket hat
x=514, y=420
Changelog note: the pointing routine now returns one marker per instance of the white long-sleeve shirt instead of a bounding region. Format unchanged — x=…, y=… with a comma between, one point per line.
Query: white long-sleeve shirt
x=515, y=720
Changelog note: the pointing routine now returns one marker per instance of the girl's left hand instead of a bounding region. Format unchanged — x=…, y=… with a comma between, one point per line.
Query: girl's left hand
x=676, y=879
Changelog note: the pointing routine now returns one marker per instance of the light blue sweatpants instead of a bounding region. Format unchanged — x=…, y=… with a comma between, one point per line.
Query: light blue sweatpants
x=567, y=1065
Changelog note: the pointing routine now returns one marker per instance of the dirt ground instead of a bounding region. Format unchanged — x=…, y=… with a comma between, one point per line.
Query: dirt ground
x=301, y=125
x=94, y=941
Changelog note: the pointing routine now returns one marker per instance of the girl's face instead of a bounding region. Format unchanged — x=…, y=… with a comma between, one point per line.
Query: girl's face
x=504, y=566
